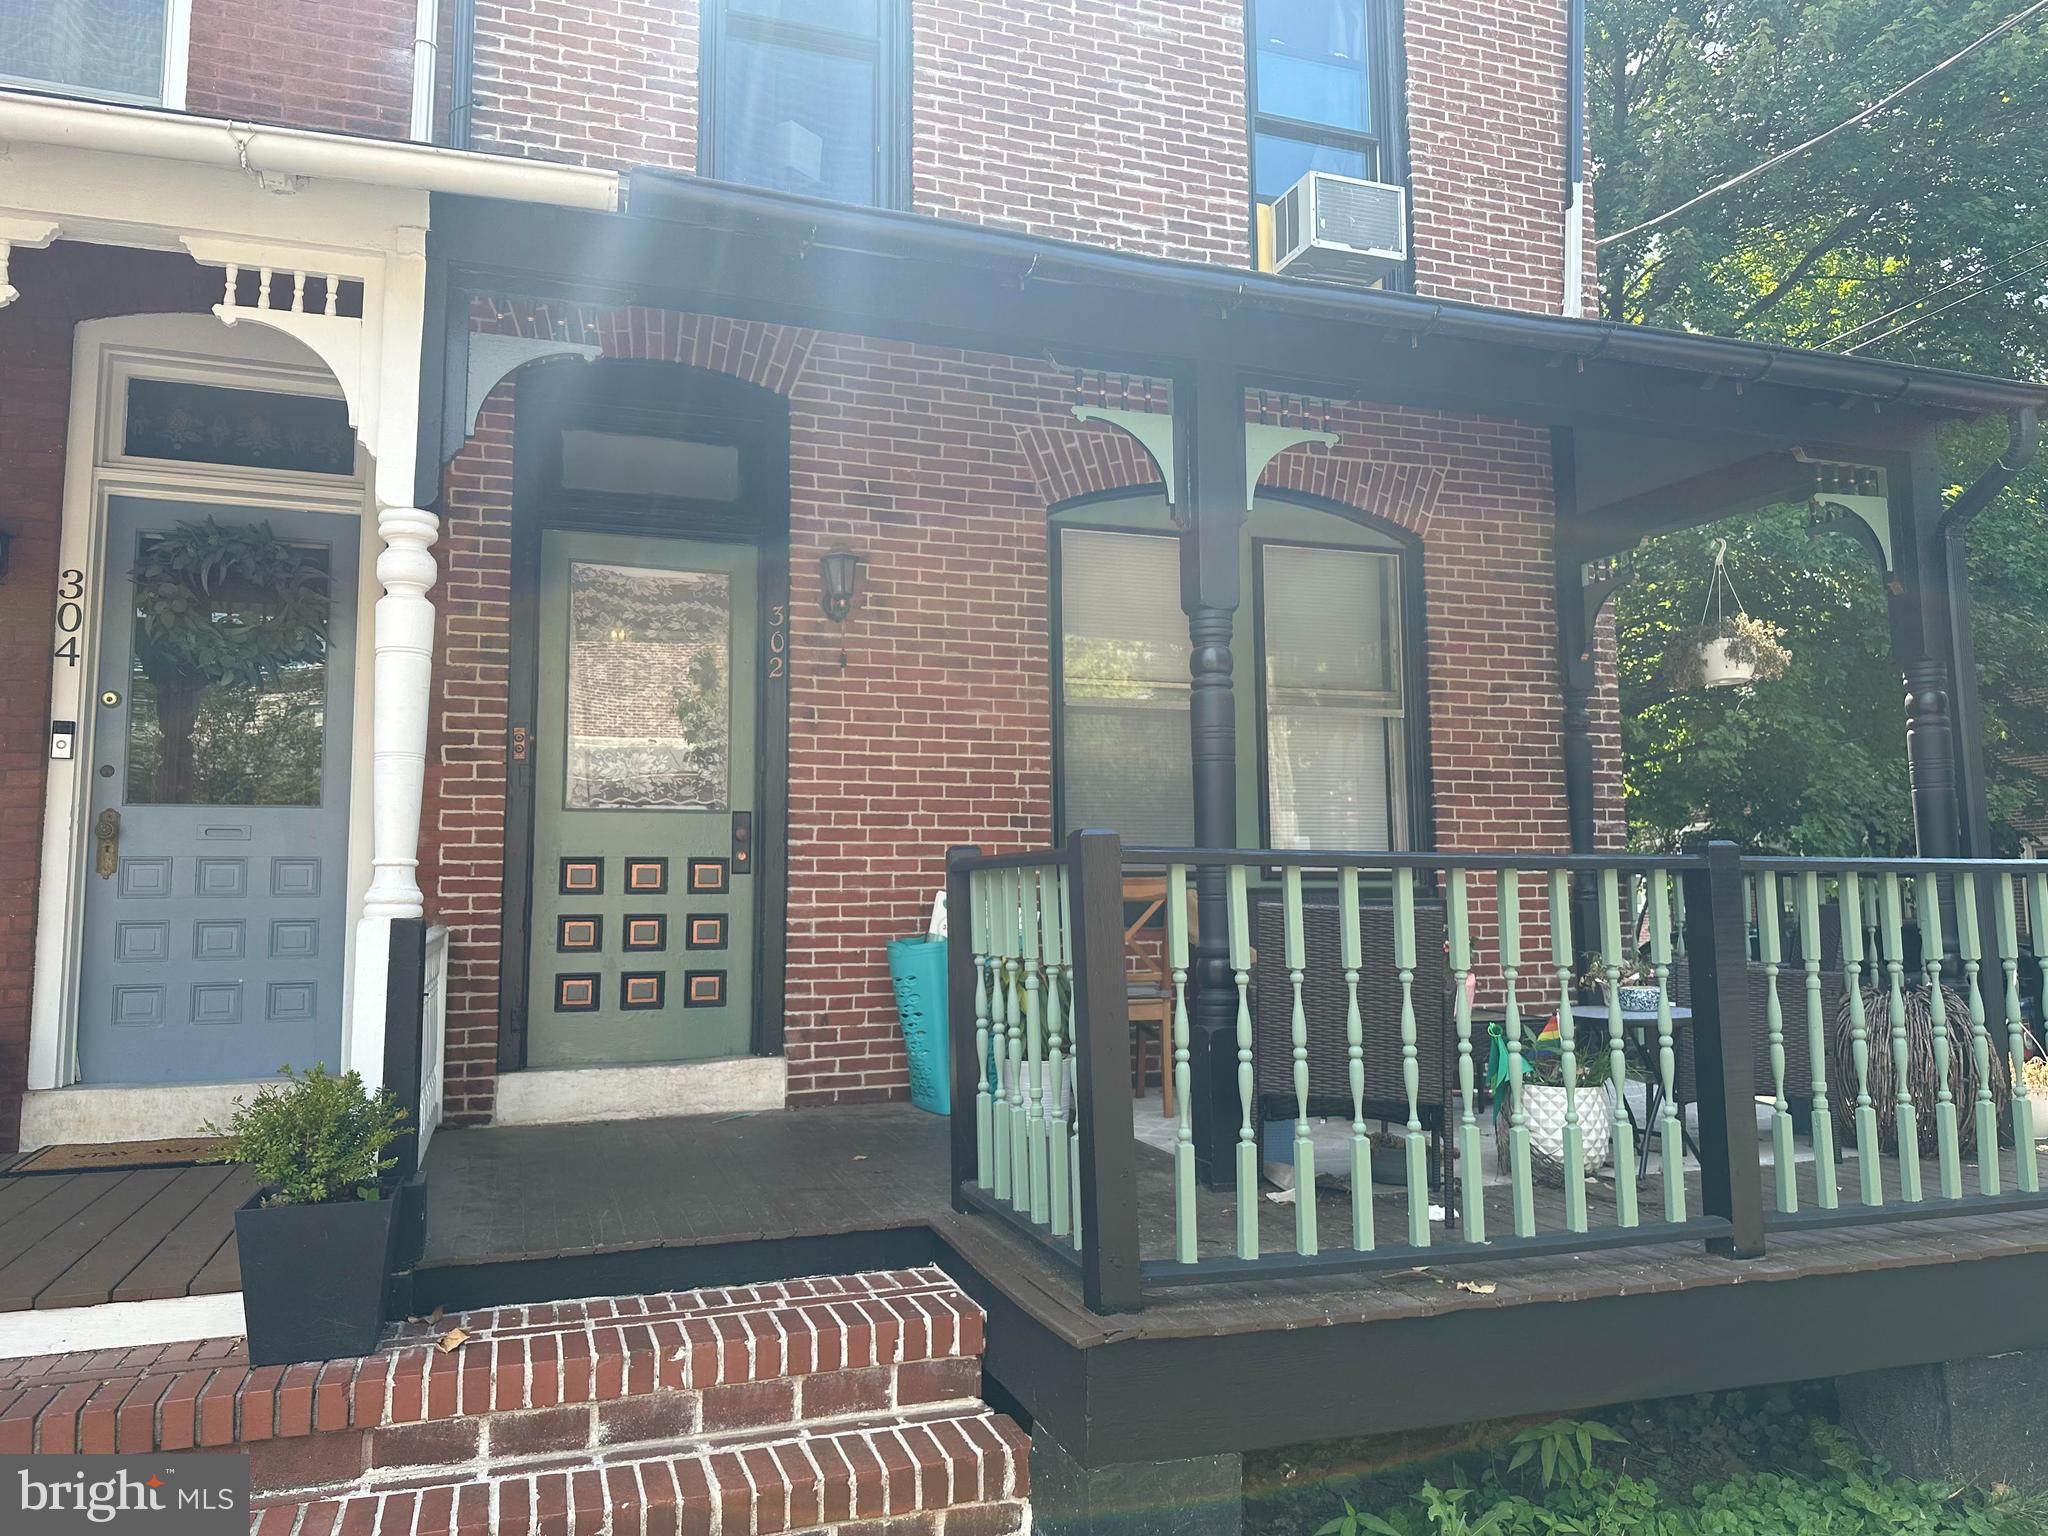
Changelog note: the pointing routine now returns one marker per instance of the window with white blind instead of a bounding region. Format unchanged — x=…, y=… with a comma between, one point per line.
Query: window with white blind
x=108, y=50
x=1124, y=755
x=1331, y=652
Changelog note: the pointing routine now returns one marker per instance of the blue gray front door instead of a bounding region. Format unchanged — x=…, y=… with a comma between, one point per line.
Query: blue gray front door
x=216, y=866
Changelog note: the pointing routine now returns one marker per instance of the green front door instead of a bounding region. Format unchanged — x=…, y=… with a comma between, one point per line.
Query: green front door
x=643, y=925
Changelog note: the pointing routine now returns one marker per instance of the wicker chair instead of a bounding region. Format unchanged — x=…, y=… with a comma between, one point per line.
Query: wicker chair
x=1325, y=1004
x=1834, y=992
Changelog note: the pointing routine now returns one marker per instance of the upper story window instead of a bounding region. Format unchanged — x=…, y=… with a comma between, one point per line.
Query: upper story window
x=110, y=50
x=1321, y=91
x=807, y=96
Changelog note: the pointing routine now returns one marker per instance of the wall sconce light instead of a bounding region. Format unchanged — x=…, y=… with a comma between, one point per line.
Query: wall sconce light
x=6, y=544
x=841, y=572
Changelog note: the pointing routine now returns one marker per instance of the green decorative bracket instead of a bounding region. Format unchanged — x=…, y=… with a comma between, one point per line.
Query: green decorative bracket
x=1851, y=499
x=1599, y=580
x=1153, y=431
x=493, y=357
x=1263, y=444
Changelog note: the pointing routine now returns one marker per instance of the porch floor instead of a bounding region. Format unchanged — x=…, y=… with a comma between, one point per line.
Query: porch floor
x=143, y=1234
x=651, y=1191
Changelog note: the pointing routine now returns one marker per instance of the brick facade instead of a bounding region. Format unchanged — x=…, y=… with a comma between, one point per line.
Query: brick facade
x=939, y=467
x=343, y=67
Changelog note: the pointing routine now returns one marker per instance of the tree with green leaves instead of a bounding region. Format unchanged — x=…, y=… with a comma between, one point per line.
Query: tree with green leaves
x=1919, y=236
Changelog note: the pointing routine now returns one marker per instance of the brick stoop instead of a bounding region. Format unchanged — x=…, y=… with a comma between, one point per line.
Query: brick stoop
x=819, y=1404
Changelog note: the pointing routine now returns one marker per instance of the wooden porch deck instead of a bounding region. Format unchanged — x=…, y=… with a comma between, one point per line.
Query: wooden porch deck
x=645, y=1196
x=143, y=1234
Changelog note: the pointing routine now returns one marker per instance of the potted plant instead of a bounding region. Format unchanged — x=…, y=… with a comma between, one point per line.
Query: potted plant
x=315, y=1240
x=1544, y=1099
x=1726, y=653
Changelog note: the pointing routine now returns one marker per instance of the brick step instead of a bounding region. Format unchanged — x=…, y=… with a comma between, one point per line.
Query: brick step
x=546, y=1379
x=954, y=1472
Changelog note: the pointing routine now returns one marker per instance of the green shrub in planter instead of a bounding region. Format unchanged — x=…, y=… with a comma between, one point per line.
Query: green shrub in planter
x=315, y=1242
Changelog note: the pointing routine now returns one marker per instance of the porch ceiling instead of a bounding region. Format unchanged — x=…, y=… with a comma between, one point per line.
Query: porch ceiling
x=706, y=247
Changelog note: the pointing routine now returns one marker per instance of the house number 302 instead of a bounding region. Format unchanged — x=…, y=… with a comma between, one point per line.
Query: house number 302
x=70, y=615
x=778, y=639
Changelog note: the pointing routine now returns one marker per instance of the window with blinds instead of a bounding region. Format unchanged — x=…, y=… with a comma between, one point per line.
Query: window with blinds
x=1335, y=747
x=1124, y=687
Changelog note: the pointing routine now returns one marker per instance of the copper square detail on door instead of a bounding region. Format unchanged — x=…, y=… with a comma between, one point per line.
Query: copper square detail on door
x=646, y=931
x=704, y=989
x=576, y=994
x=582, y=877
x=641, y=991
x=708, y=877
x=580, y=932
x=647, y=877
x=707, y=931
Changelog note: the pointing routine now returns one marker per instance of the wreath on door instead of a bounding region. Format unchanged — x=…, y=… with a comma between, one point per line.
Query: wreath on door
x=216, y=604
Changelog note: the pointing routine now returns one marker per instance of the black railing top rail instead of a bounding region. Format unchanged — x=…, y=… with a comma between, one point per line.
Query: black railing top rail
x=1319, y=858
x=1800, y=865
x=1037, y=858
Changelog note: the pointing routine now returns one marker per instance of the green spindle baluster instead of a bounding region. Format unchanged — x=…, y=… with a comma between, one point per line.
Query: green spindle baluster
x=2024, y=1152
x=1304, y=1133
x=1352, y=951
x=1247, y=1089
x=1183, y=1084
x=1007, y=1123
x=1568, y=1051
x=1870, y=1169
x=1055, y=1052
x=1471, y=1170
x=1508, y=889
x=1670, y=1128
x=1617, y=1051
x=1411, y=1070
x=1020, y=1145
x=1072, y=1128
x=1902, y=1053
x=1784, y=1170
x=1034, y=1045
x=1817, y=1043
x=1970, y=950
x=984, y=1111
x=1947, y=1133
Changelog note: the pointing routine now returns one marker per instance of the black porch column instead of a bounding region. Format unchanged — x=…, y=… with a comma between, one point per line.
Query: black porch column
x=1209, y=407
x=1575, y=672
x=1923, y=645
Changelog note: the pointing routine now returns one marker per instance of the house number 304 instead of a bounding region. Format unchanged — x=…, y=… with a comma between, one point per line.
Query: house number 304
x=778, y=639
x=70, y=615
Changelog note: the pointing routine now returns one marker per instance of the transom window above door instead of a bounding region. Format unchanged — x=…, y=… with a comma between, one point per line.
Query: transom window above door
x=808, y=96
x=109, y=50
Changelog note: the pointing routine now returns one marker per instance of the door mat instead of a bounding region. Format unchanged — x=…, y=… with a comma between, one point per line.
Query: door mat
x=85, y=1157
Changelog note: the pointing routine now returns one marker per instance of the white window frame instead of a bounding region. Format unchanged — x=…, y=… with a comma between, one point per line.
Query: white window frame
x=177, y=54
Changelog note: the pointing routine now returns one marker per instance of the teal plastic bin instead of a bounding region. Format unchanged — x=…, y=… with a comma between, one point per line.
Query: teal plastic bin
x=917, y=967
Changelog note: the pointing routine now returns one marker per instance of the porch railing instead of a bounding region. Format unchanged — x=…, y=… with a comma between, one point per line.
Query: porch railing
x=1393, y=988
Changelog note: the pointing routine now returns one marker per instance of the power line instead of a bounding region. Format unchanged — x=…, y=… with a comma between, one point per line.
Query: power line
x=1820, y=138
x=1908, y=325
x=1915, y=302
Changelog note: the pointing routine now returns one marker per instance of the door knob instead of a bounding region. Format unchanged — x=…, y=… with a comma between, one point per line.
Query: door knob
x=107, y=836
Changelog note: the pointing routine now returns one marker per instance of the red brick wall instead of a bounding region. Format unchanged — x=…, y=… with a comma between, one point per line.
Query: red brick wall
x=59, y=287
x=938, y=467
x=343, y=65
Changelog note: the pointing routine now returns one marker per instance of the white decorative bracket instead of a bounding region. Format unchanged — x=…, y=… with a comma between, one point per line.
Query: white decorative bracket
x=1263, y=443
x=336, y=339
x=1153, y=432
x=21, y=234
x=493, y=357
x=1843, y=492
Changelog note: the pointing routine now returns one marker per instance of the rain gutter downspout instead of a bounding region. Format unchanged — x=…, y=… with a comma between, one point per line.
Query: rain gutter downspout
x=426, y=54
x=1575, y=159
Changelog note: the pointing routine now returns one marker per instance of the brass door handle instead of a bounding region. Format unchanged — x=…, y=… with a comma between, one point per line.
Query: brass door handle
x=107, y=836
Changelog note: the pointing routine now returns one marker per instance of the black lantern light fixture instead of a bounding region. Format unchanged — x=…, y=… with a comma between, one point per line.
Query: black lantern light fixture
x=840, y=569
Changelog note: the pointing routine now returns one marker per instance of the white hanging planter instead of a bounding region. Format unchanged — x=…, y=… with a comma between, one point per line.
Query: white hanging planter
x=1720, y=669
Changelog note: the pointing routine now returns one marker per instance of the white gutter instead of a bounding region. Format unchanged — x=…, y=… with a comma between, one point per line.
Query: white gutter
x=426, y=51
x=299, y=152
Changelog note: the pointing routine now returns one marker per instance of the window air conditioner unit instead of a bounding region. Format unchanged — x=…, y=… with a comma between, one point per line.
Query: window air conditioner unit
x=1339, y=229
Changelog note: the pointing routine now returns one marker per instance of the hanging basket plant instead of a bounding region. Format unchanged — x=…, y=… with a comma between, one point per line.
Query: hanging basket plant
x=230, y=605
x=1725, y=649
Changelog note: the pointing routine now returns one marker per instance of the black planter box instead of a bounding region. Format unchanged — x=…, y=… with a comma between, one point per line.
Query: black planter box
x=313, y=1278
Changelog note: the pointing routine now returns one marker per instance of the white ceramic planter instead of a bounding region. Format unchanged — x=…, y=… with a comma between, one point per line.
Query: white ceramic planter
x=1720, y=670
x=1543, y=1112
